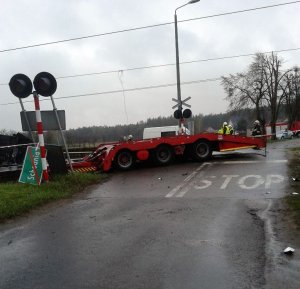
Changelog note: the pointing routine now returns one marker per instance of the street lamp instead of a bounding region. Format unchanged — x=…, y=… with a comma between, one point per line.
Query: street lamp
x=177, y=60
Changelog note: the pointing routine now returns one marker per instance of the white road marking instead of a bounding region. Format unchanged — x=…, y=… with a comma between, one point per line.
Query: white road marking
x=248, y=182
x=186, y=181
x=275, y=179
x=258, y=181
x=180, y=190
x=189, y=186
x=228, y=178
x=206, y=184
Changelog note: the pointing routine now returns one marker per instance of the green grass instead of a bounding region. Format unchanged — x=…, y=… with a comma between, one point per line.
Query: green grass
x=294, y=204
x=296, y=155
x=293, y=201
x=17, y=199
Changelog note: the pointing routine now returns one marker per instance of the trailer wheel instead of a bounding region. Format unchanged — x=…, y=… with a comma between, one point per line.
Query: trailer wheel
x=164, y=154
x=202, y=150
x=124, y=160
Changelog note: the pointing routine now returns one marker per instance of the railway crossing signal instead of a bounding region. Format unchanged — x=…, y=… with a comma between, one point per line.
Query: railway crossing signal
x=179, y=114
x=45, y=84
x=183, y=102
x=187, y=113
x=20, y=85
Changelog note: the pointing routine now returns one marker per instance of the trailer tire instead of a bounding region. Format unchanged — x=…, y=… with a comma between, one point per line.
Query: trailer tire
x=202, y=150
x=164, y=154
x=124, y=160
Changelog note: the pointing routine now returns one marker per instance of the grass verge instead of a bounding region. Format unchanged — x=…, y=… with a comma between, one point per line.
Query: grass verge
x=17, y=199
x=293, y=201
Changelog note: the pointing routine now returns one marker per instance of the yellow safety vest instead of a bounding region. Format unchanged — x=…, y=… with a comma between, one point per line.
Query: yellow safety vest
x=221, y=130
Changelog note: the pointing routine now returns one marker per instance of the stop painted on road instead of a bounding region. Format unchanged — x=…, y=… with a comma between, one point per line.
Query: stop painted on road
x=248, y=182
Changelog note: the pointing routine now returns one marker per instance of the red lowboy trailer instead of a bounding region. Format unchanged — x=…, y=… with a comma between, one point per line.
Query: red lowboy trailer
x=199, y=147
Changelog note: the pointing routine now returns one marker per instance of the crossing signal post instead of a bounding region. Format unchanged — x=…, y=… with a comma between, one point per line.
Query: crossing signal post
x=40, y=132
x=21, y=86
x=178, y=113
x=44, y=84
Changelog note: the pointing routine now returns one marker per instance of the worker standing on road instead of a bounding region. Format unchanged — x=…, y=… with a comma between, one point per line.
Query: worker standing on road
x=224, y=129
x=256, y=128
x=230, y=129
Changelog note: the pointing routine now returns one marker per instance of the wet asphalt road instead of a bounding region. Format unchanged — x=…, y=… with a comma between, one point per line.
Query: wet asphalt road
x=188, y=225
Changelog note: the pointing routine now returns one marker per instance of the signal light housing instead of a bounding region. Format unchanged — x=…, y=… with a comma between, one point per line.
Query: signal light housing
x=20, y=85
x=45, y=84
x=178, y=114
x=187, y=113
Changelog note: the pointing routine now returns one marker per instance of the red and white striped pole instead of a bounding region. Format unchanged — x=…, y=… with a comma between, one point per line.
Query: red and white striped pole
x=39, y=125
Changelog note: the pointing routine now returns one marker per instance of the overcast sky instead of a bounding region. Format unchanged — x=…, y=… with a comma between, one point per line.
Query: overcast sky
x=24, y=22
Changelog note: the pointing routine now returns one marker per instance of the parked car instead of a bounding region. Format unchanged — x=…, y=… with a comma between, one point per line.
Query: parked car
x=284, y=134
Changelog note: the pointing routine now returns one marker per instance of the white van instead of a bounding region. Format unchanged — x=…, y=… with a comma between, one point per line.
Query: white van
x=163, y=131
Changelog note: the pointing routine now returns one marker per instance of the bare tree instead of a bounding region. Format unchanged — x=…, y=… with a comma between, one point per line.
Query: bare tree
x=275, y=87
x=247, y=90
x=263, y=85
x=291, y=95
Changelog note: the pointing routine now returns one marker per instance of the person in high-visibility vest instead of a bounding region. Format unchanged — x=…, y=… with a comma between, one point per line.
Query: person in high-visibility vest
x=230, y=129
x=224, y=129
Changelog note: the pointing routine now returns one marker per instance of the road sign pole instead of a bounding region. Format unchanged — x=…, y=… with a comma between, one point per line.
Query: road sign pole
x=26, y=119
x=40, y=135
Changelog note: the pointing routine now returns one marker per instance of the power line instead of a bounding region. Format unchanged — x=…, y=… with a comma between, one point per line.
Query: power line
x=147, y=26
x=125, y=90
x=173, y=64
x=240, y=11
x=170, y=64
